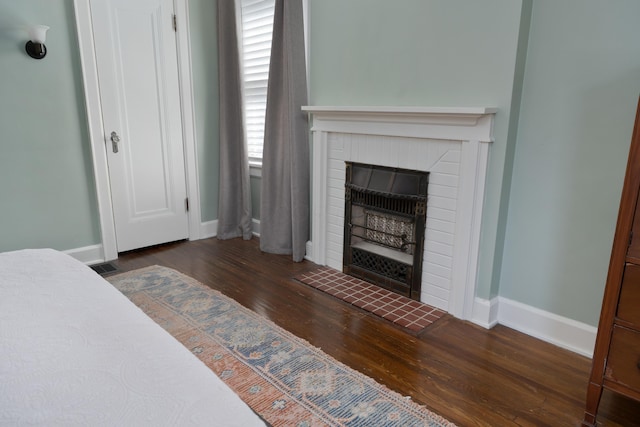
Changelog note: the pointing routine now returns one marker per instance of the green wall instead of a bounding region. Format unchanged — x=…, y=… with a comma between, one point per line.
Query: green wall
x=428, y=53
x=581, y=86
x=204, y=58
x=47, y=192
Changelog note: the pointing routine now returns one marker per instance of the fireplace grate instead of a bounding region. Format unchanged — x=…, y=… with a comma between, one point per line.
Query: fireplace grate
x=389, y=230
x=385, y=202
x=385, y=215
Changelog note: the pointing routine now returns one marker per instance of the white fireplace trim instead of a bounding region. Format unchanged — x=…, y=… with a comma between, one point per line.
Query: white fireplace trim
x=467, y=131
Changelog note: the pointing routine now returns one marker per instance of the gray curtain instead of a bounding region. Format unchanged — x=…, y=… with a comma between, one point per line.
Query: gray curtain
x=234, y=199
x=284, y=208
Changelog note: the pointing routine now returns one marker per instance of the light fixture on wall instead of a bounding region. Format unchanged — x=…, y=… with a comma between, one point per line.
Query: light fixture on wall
x=35, y=46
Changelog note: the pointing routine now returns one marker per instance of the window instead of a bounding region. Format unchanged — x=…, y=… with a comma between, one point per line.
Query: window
x=257, y=29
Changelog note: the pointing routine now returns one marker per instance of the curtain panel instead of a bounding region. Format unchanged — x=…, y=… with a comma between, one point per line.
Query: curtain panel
x=285, y=192
x=234, y=199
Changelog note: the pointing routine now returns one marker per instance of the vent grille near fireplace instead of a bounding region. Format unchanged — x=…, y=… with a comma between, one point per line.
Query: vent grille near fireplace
x=385, y=215
x=382, y=265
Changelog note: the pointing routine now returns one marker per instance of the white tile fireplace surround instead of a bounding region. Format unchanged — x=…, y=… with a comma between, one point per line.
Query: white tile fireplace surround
x=452, y=144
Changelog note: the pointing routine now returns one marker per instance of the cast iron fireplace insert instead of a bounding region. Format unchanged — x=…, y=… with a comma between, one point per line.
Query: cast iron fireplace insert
x=384, y=226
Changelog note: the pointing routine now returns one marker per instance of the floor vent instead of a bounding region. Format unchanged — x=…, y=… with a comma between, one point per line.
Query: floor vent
x=104, y=269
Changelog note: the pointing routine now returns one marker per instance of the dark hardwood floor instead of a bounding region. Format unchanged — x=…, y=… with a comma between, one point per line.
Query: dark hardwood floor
x=471, y=376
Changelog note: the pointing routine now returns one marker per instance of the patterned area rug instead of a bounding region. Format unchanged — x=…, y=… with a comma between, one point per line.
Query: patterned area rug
x=281, y=377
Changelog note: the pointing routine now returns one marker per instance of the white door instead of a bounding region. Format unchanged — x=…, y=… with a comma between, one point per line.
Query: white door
x=136, y=55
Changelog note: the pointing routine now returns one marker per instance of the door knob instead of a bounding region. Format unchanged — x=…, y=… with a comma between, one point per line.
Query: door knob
x=115, y=139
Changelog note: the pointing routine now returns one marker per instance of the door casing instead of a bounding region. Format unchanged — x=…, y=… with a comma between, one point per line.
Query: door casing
x=97, y=131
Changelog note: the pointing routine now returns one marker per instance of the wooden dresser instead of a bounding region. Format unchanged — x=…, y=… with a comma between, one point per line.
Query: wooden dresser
x=616, y=357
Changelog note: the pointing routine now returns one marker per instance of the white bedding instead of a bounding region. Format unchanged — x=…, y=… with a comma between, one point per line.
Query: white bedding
x=75, y=351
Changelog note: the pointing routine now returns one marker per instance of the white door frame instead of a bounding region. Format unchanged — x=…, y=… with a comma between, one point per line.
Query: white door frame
x=96, y=128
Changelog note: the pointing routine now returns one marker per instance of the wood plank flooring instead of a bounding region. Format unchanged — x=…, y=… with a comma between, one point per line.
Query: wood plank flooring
x=471, y=376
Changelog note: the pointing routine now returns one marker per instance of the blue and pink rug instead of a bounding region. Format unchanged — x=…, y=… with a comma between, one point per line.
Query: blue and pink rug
x=281, y=377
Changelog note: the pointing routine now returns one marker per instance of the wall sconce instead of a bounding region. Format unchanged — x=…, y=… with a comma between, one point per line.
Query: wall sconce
x=35, y=46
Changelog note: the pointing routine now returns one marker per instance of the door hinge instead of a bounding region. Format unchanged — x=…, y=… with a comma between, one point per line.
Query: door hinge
x=174, y=21
x=186, y=204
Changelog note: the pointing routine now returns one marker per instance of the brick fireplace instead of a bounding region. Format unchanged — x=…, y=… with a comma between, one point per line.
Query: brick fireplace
x=451, y=144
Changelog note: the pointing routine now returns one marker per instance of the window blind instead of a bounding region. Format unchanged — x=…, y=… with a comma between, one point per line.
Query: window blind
x=257, y=30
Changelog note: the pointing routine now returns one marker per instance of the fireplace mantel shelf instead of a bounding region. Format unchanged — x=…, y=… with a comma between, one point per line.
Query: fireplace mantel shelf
x=453, y=123
x=397, y=110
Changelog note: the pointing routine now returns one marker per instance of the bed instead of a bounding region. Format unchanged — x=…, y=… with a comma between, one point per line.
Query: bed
x=75, y=351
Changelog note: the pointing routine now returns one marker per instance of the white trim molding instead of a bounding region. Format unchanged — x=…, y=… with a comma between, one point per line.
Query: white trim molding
x=309, y=251
x=96, y=130
x=255, y=170
x=546, y=326
x=209, y=229
x=452, y=144
x=89, y=255
x=187, y=101
x=485, y=312
x=255, y=224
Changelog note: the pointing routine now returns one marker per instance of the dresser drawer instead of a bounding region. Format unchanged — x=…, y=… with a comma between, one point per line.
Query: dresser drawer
x=629, y=306
x=623, y=364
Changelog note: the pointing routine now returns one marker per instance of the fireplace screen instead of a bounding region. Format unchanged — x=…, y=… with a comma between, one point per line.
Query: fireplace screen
x=385, y=216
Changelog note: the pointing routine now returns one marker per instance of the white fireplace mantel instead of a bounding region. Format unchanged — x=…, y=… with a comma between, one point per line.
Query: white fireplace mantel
x=464, y=123
x=452, y=144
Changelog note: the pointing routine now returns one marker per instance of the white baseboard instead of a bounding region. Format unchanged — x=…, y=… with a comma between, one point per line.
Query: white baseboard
x=309, y=251
x=485, y=312
x=209, y=229
x=93, y=254
x=552, y=328
x=256, y=227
